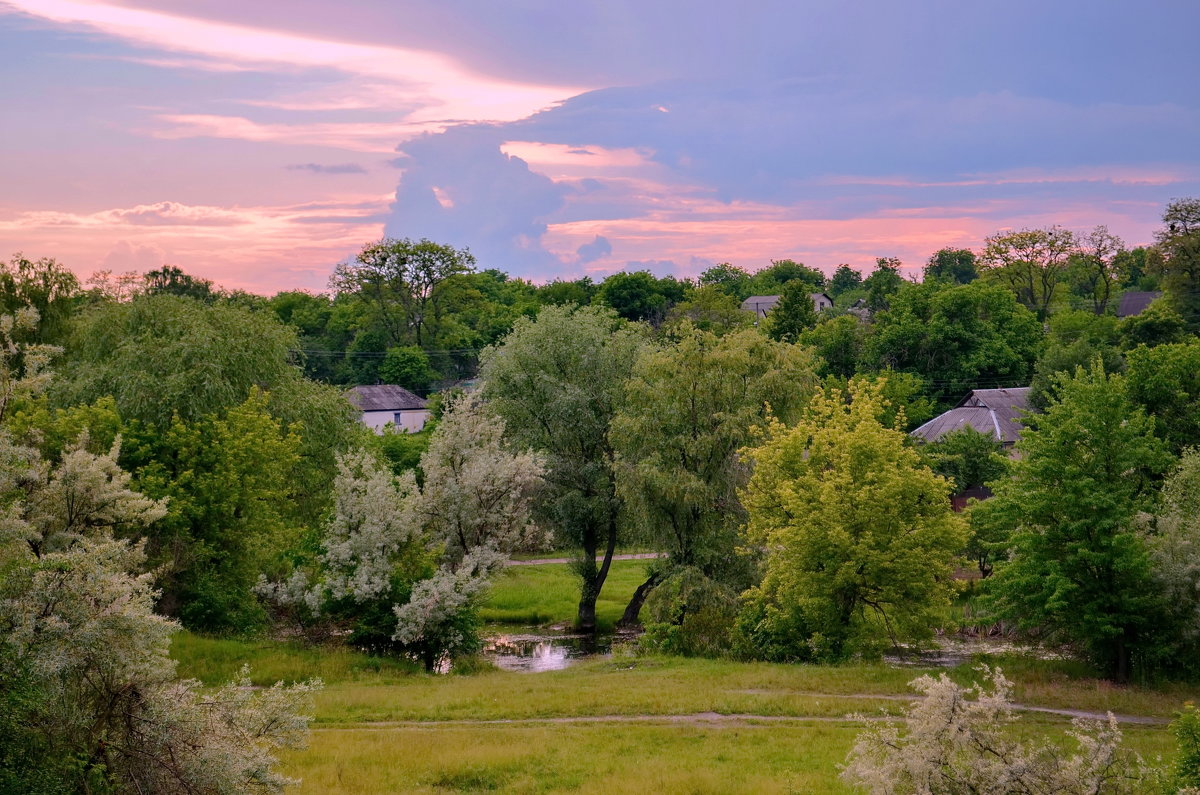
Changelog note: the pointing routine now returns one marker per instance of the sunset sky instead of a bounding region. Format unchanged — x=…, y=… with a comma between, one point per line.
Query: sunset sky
x=257, y=143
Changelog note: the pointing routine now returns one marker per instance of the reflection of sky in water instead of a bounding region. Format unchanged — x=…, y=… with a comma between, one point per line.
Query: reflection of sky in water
x=536, y=653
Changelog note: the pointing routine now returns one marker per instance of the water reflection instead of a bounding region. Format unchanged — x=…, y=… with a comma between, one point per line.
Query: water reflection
x=533, y=653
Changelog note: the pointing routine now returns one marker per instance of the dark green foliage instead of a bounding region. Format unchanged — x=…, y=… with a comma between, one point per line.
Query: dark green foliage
x=884, y=282
x=967, y=457
x=407, y=366
x=729, y=279
x=401, y=450
x=1079, y=571
x=690, y=614
x=1075, y=339
x=170, y=280
x=1176, y=259
x=560, y=292
x=840, y=342
x=772, y=279
x=957, y=338
x=793, y=315
x=1157, y=324
x=766, y=630
x=1165, y=381
x=955, y=265
x=45, y=285
x=843, y=280
x=1186, y=728
x=640, y=296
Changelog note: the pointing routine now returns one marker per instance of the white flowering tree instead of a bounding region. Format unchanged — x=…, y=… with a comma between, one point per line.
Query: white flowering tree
x=958, y=740
x=476, y=491
x=88, y=694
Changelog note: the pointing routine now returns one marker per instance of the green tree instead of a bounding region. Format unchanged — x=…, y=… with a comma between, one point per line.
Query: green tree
x=688, y=408
x=640, y=296
x=1076, y=338
x=407, y=366
x=841, y=342
x=729, y=279
x=1094, y=272
x=966, y=457
x=1165, y=381
x=859, y=534
x=560, y=292
x=957, y=337
x=230, y=482
x=884, y=282
x=170, y=280
x=772, y=279
x=1175, y=259
x=955, y=265
x=44, y=285
x=844, y=279
x=710, y=309
x=1157, y=324
x=405, y=282
x=793, y=315
x=557, y=382
x=1030, y=263
x=1078, y=570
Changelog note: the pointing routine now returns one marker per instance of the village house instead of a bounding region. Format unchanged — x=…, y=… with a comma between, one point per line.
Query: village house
x=760, y=305
x=1134, y=303
x=381, y=404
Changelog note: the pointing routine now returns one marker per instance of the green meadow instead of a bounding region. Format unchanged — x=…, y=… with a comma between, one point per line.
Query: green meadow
x=628, y=723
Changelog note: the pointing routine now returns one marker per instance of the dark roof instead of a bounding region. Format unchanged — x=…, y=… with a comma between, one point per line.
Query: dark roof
x=383, y=397
x=996, y=412
x=760, y=304
x=1134, y=303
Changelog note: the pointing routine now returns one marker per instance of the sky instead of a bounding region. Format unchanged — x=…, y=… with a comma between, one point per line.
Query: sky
x=259, y=143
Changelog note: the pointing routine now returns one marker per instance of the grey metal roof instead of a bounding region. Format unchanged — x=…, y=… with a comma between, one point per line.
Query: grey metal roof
x=760, y=304
x=384, y=397
x=1134, y=303
x=996, y=412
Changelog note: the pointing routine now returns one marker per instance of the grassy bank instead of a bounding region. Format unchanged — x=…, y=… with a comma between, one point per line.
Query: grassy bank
x=549, y=594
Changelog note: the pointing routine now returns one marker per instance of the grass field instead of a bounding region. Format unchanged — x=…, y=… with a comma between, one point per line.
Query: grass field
x=621, y=725
x=549, y=594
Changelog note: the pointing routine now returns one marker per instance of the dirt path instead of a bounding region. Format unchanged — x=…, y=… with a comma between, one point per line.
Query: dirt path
x=718, y=720
x=632, y=556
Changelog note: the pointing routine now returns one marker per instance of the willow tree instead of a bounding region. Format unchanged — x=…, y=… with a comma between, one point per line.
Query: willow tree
x=557, y=382
x=689, y=406
x=859, y=534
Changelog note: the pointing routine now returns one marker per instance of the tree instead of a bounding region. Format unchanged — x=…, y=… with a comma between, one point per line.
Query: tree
x=859, y=535
x=772, y=279
x=954, y=265
x=1176, y=259
x=729, y=279
x=640, y=296
x=1157, y=324
x=170, y=280
x=405, y=282
x=1165, y=381
x=710, y=309
x=44, y=285
x=1078, y=570
x=688, y=408
x=957, y=338
x=560, y=292
x=841, y=342
x=88, y=695
x=966, y=457
x=844, y=279
x=1094, y=271
x=1076, y=338
x=958, y=741
x=884, y=282
x=407, y=366
x=557, y=382
x=230, y=481
x=477, y=492
x=793, y=315
x=1172, y=535
x=1030, y=263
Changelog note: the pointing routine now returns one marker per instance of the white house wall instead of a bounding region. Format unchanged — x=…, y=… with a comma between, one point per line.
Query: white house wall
x=410, y=421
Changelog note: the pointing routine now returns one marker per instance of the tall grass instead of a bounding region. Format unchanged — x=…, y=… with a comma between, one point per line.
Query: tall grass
x=549, y=594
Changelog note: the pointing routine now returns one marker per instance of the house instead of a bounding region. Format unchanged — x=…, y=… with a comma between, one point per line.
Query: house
x=1134, y=303
x=996, y=412
x=760, y=305
x=384, y=403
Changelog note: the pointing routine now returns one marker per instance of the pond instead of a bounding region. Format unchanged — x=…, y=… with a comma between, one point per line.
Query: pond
x=539, y=649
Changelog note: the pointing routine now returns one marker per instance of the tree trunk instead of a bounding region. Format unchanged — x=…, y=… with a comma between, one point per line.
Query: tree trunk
x=634, y=608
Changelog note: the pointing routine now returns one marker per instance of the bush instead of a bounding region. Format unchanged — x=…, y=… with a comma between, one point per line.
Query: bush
x=690, y=615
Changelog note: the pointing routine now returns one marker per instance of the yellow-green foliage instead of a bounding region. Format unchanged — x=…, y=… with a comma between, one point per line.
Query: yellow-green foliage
x=859, y=534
